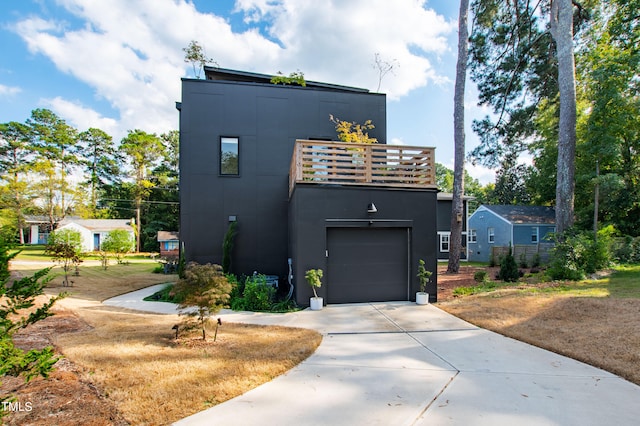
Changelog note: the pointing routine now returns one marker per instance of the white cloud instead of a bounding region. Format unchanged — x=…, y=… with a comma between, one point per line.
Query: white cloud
x=131, y=54
x=483, y=174
x=337, y=41
x=7, y=91
x=82, y=117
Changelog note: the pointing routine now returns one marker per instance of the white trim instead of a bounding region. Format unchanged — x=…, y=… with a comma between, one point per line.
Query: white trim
x=482, y=208
x=442, y=234
x=491, y=232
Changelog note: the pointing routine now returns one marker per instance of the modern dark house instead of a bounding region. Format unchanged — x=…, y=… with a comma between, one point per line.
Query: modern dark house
x=263, y=156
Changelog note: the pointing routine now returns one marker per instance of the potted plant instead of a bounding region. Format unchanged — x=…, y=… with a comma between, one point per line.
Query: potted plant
x=314, y=277
x=424, y=276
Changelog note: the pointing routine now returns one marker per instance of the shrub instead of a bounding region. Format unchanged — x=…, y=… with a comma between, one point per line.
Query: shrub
x=205, y=288
x=118, y=242
x=523, y=260
x=492, y=259
x=20, y=306
x=424, y=276
x=314, y=279
x=65, y=247
x=480, y=276
x=535, y=262
x=227, y=246
x=508, y=268
x=622, y=249
x=578, y=253
x=253, y=295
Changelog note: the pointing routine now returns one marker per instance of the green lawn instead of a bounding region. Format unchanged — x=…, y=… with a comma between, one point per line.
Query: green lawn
x=32, y=252
x=36, y=253
x=622, y=283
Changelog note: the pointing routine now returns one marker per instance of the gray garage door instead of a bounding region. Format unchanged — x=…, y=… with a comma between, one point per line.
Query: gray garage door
x=367, y=264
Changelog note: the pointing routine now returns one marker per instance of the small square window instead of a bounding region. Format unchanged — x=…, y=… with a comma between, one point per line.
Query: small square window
x=491, y=235
x=534, y=234
x=229, y=156
x=472, y=236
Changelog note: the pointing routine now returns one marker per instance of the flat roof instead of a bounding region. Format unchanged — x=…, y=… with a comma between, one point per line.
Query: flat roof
x=224, y=74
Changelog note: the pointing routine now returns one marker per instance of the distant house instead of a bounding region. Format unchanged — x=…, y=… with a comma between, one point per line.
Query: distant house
x=445, y=201
x=526, y=228
x=169, y=242
x=94, y=231
x=38, y=229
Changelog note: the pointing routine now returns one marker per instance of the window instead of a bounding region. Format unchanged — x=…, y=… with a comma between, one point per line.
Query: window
x=534, y=234
x=171, y=245
x=444, y=241
x=472, y=236
x=491, y=235
x=229, y=154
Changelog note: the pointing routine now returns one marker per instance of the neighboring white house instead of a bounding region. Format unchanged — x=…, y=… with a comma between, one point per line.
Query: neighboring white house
x=94, y=231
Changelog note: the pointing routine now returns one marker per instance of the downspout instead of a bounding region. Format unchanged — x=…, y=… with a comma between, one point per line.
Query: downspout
x=290, y=279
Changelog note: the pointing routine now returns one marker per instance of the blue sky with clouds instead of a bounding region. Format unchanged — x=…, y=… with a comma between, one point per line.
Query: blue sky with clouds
x=117, y=64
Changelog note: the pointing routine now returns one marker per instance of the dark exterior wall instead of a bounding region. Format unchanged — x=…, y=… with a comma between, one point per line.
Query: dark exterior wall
x=444, y=215
x=315, y=208
x=444, y=224
x=267, y=119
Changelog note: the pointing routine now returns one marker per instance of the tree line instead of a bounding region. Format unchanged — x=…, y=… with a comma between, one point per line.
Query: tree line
x=514, y=60
x=51, y=169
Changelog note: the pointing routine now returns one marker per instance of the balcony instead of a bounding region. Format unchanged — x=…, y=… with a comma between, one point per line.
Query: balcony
x=340, y=163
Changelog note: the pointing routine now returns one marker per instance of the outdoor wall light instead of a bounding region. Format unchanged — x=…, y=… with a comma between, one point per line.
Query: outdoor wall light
x=371, y=208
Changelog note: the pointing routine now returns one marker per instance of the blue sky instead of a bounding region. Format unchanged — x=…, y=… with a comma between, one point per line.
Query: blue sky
x=117, y=64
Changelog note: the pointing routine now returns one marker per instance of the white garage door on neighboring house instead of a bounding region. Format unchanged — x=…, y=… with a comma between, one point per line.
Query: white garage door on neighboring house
x=367, y=264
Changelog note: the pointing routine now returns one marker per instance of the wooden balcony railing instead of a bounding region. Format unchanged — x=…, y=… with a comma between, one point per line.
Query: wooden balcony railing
x=362, y=164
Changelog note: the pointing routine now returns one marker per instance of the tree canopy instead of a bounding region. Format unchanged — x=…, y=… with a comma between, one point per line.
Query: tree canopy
x=49, y=168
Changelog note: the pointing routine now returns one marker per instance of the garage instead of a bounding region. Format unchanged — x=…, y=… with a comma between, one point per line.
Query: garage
x=367, y=264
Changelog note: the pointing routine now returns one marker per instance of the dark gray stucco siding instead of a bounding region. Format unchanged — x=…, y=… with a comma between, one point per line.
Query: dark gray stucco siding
x=267, y=119
x=315, y=208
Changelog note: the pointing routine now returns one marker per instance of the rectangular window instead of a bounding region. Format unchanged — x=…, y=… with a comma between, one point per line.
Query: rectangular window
x=171, y=245
x=473, y=236
x=444, y=242
x=491, y=235
x=229, y=155
x=534, y=234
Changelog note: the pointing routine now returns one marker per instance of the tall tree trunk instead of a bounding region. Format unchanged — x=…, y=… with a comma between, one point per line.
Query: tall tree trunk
x=596, y=201
x=455, y=239
x=561, y=21
x=138, y=227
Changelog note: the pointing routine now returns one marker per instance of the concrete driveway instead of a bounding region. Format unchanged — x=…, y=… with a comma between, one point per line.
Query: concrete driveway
x=402, y=364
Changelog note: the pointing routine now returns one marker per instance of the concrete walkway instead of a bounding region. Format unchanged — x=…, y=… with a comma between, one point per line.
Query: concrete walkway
x=403, y=364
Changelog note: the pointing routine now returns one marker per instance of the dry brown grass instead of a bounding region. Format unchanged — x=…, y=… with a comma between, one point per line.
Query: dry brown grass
x=153, y=379
x=131, y=364
x=588, y=325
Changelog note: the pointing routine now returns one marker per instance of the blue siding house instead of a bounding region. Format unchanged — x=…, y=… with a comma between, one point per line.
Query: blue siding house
x=523, y=227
